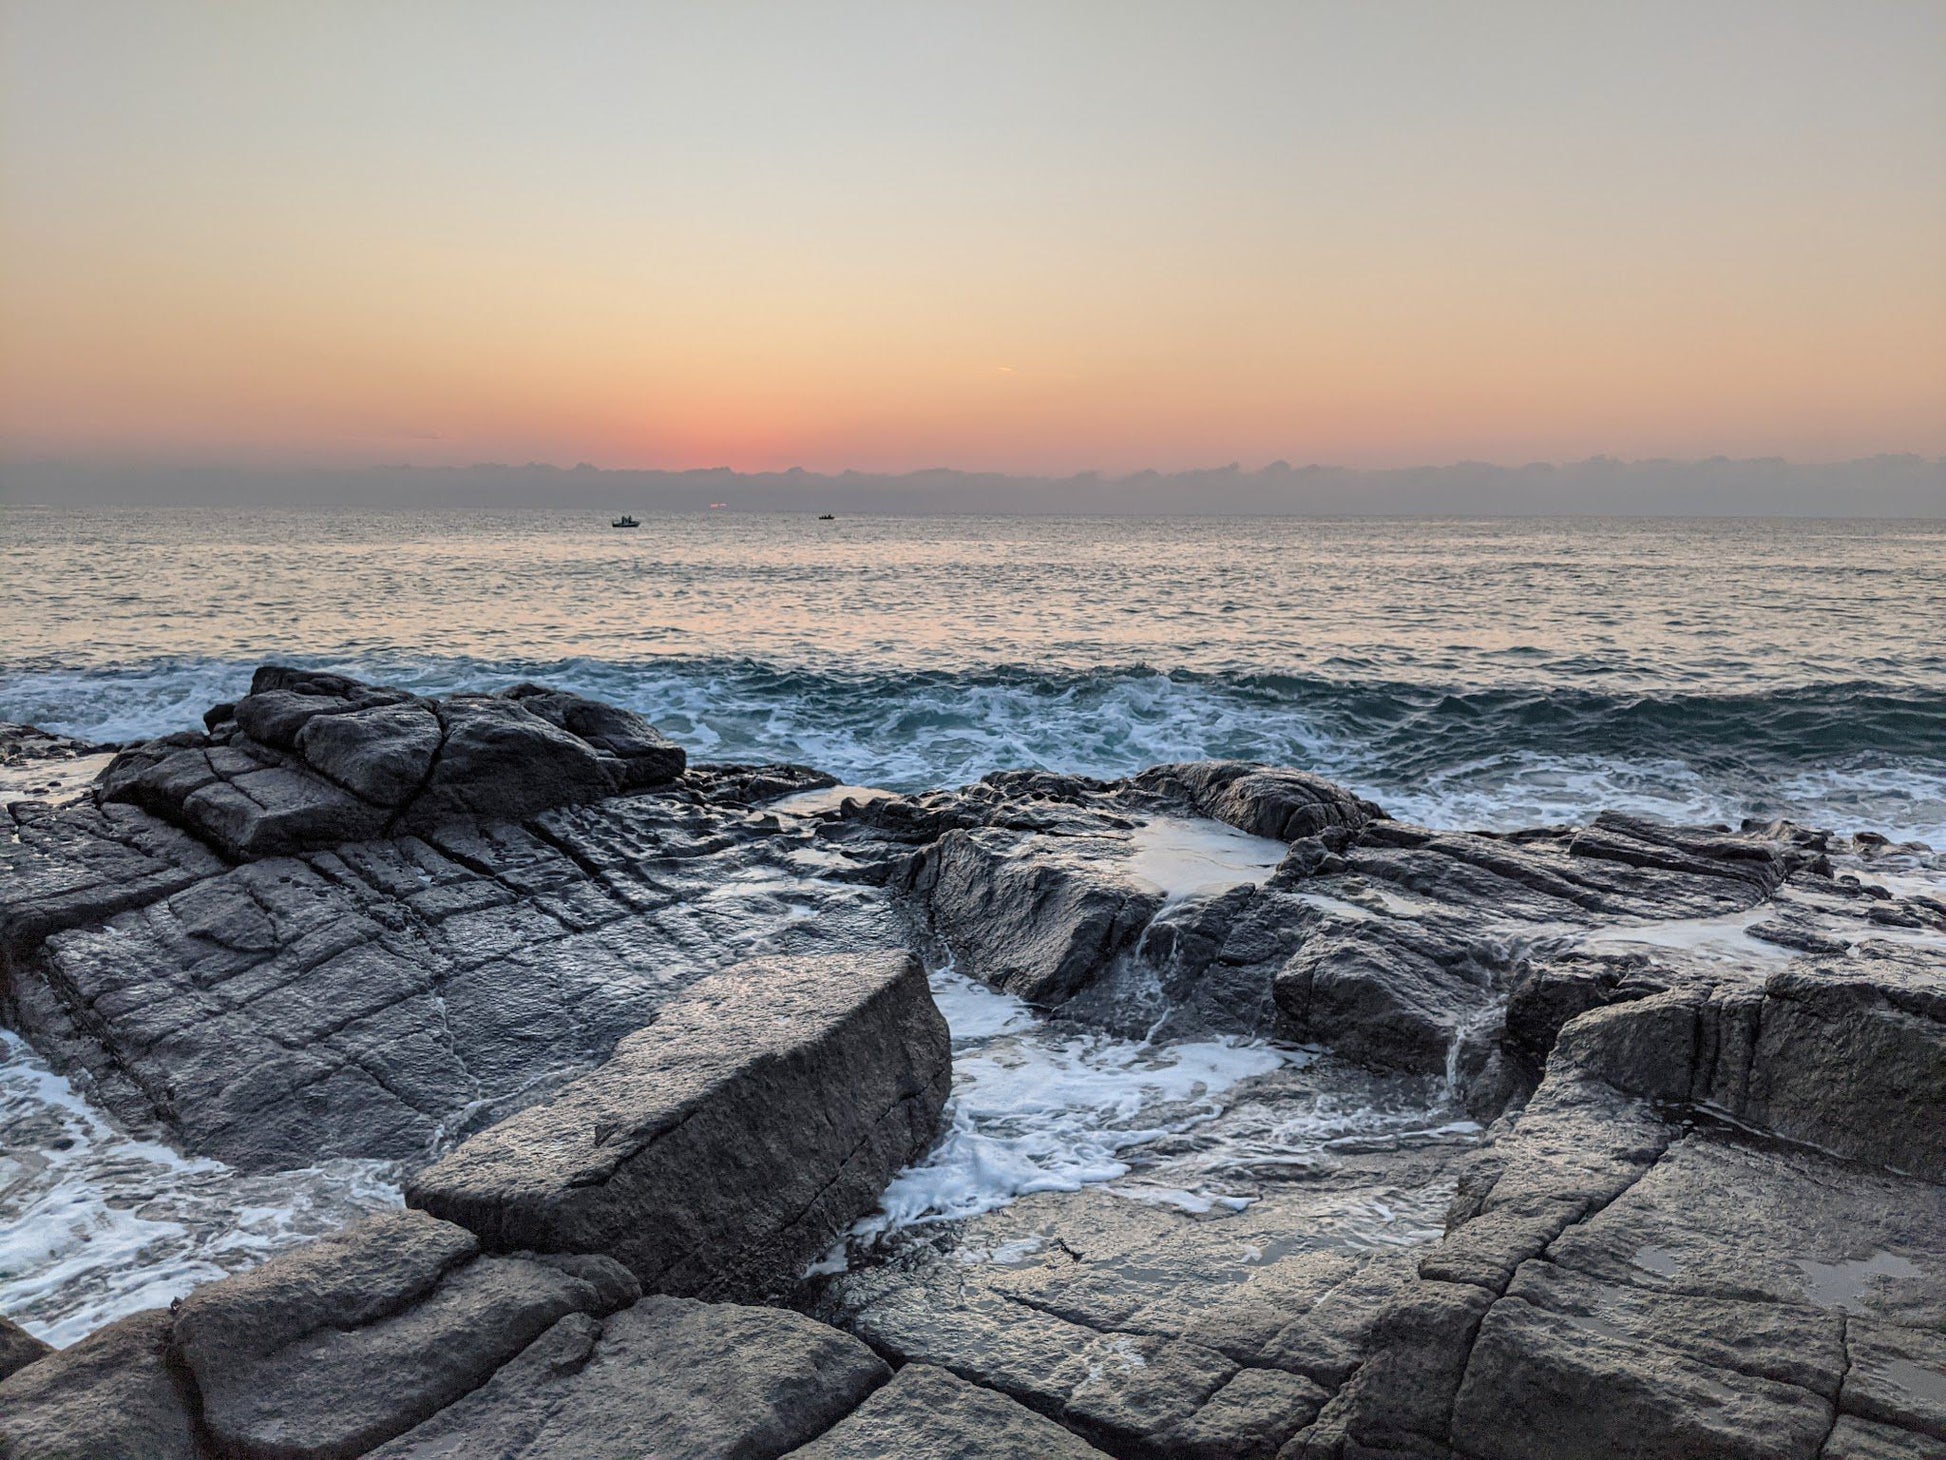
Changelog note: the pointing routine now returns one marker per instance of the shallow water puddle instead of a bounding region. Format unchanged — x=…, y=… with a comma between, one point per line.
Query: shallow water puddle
x=1184, y=857
x=1725, y=938
x=1849, y=1284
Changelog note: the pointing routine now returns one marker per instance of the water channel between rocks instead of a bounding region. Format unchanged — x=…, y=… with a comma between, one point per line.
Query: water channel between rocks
x=97, y=1221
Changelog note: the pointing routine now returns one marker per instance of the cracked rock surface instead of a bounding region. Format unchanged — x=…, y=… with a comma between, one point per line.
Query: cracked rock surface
x=1612, y=1140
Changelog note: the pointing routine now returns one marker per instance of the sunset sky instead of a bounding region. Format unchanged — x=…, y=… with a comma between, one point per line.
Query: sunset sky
x=1038, y=237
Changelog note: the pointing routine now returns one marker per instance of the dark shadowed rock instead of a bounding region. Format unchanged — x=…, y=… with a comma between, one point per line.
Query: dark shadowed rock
x=502, y=760
x=926, y=1413
x=646, y=756
x=283, y=700
x=308, y=760
x=720, y=1150
x=1848, y=1057
x=342, y=1345
x=18, y=1347
x=1039, y=918
x=383, y=754
x=670, y=1378
x=118, y=1394
x=1381, y=996
x=1262, y=800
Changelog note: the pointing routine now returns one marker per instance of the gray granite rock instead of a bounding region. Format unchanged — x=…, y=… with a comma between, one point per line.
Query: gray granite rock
x=1269, y=801
x=668, y=1377
x=1859, y=1439
x=18, y=1347
x=1038, y=918
x=926, y=1413
x=724, y=1147
x=309, y=760
x=337, y=1347
x=118, y=1394
x=385, y=998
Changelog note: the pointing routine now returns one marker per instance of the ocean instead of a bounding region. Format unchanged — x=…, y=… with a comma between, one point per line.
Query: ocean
x=1482, y=673
x=1461, y=673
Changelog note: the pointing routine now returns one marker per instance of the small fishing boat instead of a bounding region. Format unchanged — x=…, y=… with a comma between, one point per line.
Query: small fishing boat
x=826, y=517
x=625, y=521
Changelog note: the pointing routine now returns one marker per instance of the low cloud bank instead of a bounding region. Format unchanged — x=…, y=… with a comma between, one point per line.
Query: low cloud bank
x=1880, y=486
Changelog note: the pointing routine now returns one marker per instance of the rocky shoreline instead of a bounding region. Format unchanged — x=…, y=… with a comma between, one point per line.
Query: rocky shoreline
x=652, y=1040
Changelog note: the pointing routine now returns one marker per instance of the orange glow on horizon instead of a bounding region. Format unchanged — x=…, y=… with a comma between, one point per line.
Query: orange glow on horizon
x=264, y=239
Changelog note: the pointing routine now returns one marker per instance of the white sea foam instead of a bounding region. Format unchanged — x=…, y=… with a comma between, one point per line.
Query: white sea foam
x=96, y=1223
x=1034, y=1109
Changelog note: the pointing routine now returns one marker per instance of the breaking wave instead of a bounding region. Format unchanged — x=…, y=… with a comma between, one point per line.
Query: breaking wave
x=1846, y=755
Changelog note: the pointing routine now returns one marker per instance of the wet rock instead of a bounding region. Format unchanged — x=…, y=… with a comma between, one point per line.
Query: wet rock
x=118, y=1394
x=1262, y=800
x=502, y=760
x=1859, y=1439
x=340, y=1346
x=1847, y=1057
x=1379, y=996
x=1035, y=919
x=1543, y=1385
x=1897, y=1377
x=926, y=1413
x=80, y=864
x=309, y=760
x=723, y=1148
x=666, y=1377
x=1153, y=1330
x=383, y=754
x=18, y=1347
x=381, y=998
x=283, y=700
x=644, y=755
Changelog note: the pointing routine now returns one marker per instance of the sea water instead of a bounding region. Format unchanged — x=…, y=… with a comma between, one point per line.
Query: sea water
x=1462, y=673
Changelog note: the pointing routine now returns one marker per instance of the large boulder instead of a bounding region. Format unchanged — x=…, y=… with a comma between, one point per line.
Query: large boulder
x=18, y=1347
x=1848, y=1057
x=646, y=756
x=309, y=760
x=721, y=1149
x=1269, y=801
x=1040, y=918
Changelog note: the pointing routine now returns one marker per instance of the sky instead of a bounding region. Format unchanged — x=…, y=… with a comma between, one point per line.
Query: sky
x=1038, y=238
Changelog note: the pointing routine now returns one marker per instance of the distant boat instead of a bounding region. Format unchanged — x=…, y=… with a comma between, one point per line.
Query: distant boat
x=625, y=521
x=826, y=517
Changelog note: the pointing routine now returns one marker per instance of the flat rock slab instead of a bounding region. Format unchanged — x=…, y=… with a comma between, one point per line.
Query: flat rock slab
x=334, y=1348
x=669, y=1378
x=384, y=998
x=723, y=1148
x=118, y=1394
x=928, y=1414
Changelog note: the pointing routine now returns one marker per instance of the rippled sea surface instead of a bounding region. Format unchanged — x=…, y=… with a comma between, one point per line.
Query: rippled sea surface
x=1461, y=672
